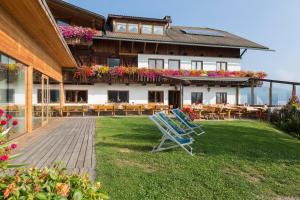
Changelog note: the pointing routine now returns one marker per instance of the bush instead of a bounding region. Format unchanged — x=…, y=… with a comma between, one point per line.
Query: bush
x=288, y=118
x=52, y=183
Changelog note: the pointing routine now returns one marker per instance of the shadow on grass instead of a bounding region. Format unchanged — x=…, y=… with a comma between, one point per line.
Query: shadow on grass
x=251, y=141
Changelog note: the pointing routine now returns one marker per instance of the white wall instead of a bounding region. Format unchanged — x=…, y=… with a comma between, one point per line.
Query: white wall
x=209, y=63
x=138, y=94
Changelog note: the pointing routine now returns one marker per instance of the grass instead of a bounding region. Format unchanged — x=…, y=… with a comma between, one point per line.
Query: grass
x=234, y=160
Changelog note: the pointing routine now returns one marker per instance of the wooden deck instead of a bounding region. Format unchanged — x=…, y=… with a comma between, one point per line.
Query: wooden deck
x=66, y=140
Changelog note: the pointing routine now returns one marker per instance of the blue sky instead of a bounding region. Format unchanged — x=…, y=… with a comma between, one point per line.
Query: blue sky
x=273, y=23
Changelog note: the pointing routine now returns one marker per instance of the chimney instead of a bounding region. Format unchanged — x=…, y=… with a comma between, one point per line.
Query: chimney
x=168, y=18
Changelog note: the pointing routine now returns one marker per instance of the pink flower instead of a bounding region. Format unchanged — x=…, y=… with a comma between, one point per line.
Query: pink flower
x=15, y=122
x=4, y=158
x=14, y=146
x=8, y=116
x=1, y=112
x=3, y=123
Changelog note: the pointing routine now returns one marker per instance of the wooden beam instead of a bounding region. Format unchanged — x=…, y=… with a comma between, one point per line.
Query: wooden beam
x=156, y=47
x=271, y=94
x=144, y=50
x=120, y=46
x=132, y=46
x=29, y=91
x=61, y=97
x=252, y=93
x=294, y=91
x=237, y=95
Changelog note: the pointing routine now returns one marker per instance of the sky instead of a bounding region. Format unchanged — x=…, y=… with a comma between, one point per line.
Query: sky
x=272, y=23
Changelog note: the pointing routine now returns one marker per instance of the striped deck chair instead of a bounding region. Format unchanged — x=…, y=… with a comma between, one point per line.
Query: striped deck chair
x=170, y=136
x=187, y=123
x=172, y=124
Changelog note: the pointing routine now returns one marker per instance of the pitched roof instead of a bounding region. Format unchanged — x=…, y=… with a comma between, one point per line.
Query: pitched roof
x=177, y=35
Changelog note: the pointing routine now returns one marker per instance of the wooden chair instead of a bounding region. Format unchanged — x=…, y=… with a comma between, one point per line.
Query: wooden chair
x=220, y=113
x=75, y=109
x=210, y=113
x=104, y=108
x=164, y=108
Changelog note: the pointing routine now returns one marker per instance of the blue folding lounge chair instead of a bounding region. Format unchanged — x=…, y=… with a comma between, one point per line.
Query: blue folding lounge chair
x=173, y=125
x=187, y=122
x=169, y=135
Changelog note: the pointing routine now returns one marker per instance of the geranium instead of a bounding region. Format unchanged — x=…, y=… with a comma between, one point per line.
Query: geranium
x=191, y=113
x=8, y=116
x=15, y=123
x=1, y=112
x=77, y=32
x=3, y=122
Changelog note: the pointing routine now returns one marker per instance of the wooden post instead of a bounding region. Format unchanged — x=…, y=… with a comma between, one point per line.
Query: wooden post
x=181, y=95
x=61, y=97
x=271, y=94
x=252, y=93
x=29, y=106
x=294, y=91
x=237, y=95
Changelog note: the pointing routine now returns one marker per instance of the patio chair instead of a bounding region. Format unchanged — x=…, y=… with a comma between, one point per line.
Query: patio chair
x=187, y=122
x=169, y=135
x=173, y=125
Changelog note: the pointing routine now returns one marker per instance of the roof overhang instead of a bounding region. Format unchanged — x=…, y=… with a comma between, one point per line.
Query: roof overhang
x=104, y=37
x=36, y=20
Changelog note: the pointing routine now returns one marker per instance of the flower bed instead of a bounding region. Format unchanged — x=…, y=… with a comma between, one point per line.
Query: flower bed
x=52, y=183
x=77, y=34
x=100, y=71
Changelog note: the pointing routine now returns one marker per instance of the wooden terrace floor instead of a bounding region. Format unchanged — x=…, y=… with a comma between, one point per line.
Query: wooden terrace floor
x=66, y=140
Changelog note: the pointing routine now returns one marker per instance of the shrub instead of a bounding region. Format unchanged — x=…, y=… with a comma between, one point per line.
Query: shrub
x=288, y=118
x=52, y=183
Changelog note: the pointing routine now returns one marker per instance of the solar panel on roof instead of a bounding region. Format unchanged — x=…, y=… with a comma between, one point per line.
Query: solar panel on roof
x=203, y=32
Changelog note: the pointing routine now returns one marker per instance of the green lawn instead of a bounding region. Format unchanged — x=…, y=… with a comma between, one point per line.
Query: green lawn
x=234, y=160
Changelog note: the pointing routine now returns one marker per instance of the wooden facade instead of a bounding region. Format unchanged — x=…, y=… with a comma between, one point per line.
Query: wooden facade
x=24, y=25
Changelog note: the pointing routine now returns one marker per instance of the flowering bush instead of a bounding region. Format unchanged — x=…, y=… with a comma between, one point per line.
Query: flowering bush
x=6, y=123
x=52, y=183
x=155, y=73
x=191, y=113
x=77, y=32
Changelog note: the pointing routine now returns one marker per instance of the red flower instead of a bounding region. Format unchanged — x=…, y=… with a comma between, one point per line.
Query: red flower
x=14, y=146
x=15, y=122
x=8, y=116
x=1, y=112
x=3, y=122
x=4, y=158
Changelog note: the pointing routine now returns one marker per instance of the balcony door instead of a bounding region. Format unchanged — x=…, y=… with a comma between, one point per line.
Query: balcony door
x=45, y=99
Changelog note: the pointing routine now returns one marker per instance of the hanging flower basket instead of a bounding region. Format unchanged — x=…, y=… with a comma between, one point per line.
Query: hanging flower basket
x=77, y=35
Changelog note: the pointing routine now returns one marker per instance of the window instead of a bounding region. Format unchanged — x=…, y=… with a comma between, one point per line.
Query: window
x=147, y=29
x=156, y=64
x=158, y=30
x=221, y=98
x=7, y=96
x=121, y=27
x=63, y=22
x=156, y=96
x=197, y=65
x=222, y=66
x=76, y=96
x=174, y=64
x=133, y=28
x=54, y=96
x=197, y=97
x=118, y=96
x=113, y=62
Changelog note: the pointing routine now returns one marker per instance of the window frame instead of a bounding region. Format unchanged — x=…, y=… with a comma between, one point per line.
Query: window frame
x=222, y=62
x=197, y=61
x=8, y=92
x=65, y=21
x=118, y=92
x=179, y=64
x=114, y=59
x=119, y=23
x=155, y=96
x=197, y=94
x=137, y=25
x=163, y=29
x=155, y=60
x=218, y=100
x=142, y=28
x=76, y=96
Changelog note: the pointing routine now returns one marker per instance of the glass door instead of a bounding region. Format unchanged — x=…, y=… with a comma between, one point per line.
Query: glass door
x=45, y=99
